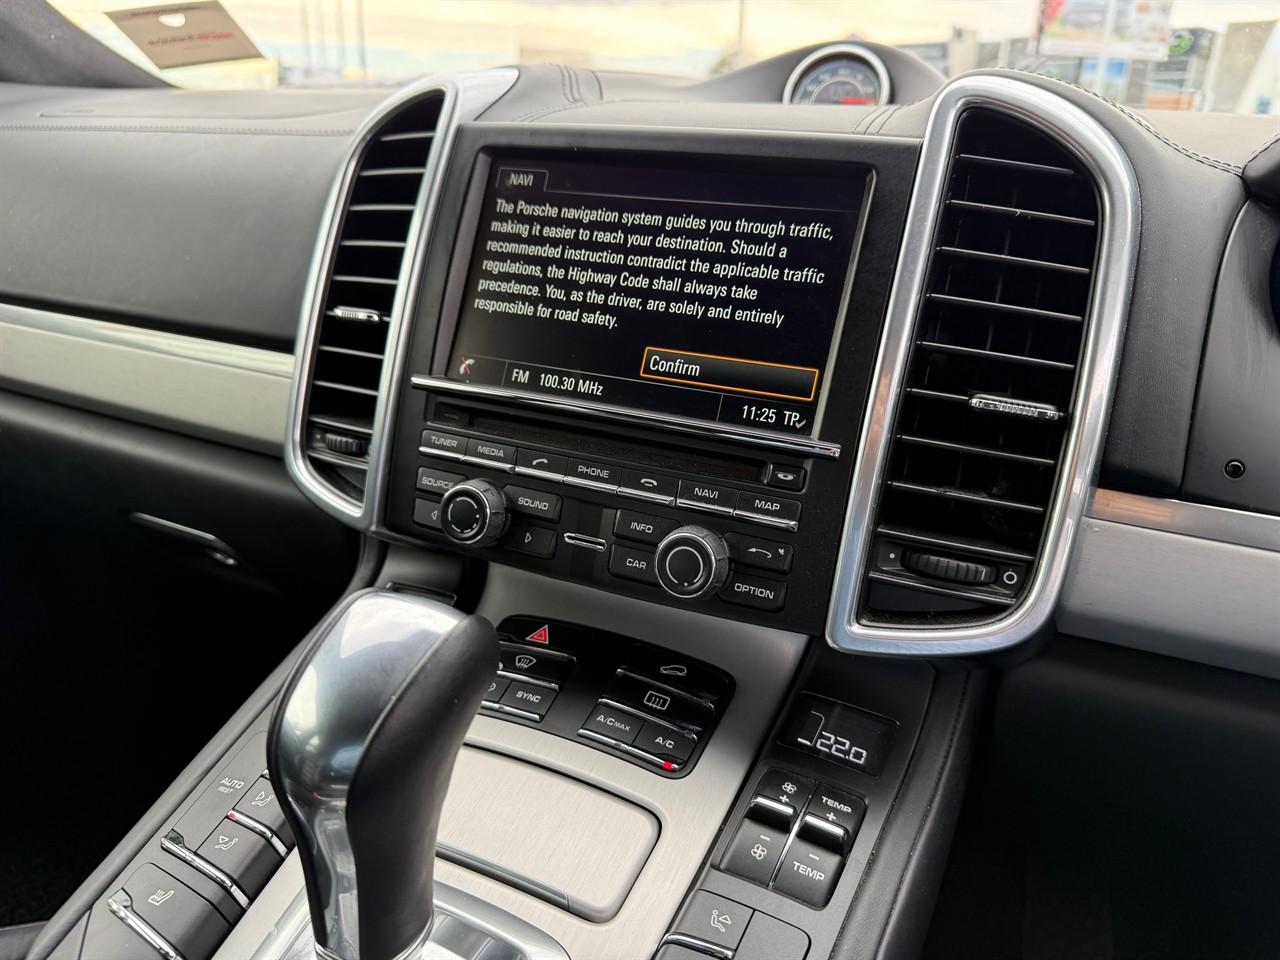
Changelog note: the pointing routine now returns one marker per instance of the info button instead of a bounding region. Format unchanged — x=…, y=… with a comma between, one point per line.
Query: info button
x=758, y=377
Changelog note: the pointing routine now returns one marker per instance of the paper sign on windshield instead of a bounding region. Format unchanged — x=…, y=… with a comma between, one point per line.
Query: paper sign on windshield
x=185, y=34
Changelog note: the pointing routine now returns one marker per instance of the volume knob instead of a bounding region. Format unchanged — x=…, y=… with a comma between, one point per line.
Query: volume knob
x=474, y=513
x=692, y=562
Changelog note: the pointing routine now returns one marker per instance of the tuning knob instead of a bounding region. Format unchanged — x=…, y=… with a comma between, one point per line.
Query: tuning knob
x=474, y=513
x=692, y=562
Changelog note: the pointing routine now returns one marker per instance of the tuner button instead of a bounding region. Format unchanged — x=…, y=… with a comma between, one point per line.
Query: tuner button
x=474, y=513
x=692, y=562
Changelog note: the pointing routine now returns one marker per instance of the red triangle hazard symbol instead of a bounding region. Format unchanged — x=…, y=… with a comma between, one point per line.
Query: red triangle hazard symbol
x=541, y=635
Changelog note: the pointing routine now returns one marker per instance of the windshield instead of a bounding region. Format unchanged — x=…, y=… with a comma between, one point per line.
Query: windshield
x=1219, y=55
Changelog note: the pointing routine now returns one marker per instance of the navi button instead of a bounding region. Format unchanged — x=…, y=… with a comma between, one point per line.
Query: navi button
x=705, y=496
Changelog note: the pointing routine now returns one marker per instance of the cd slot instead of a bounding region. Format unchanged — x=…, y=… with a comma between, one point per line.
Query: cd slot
x=550, y=431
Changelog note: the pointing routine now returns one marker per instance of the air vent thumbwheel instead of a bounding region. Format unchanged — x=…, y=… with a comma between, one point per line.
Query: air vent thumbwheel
x=347, y=446
x=947, y=568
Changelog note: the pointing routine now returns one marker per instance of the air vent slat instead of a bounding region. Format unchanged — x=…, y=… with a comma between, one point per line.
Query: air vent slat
x=990, y=355
x=1007, y=260
x=1000, y=210
x=359, y=296
x=975, y=452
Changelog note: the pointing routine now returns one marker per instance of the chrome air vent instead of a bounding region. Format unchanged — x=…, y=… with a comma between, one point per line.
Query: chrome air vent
x=361, y=293
x=991, y=380
x=994, y=376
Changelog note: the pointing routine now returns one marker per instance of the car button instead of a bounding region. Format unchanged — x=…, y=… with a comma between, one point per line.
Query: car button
x=632, y=564
x=528, y=698
x=184, y=918
x=786, y=788
x=808, y=873
x=260, y=803
x=491, y=452
x=534, y=503
x=242, y=855
x=533, y=663
x=541, y=464
x=589, y=473
x=631, y=525
x=646, y=485
x=754, y=852
x=437, y=481
x=426, y=512
x=531, y=540
x=713, y=919
x=759, y=593
x=755, y=552
x=442, y=444
x=705, y=496
x=613, y=723
x=664, y=742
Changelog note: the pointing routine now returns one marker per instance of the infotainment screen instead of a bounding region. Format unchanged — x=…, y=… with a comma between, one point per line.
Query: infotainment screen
x=677, y=288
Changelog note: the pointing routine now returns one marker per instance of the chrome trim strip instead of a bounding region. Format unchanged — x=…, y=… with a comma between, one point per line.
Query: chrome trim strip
x=589, y=484
x=777, y=806
x=1258, y=530
x=646, y=496
x=143, y=929
x=704, y=507
x=804, y=446
x=766, y=521
x=193, y=859
x=1111, y=169
x=261, y=829
x=465, y=96
x=442, y=455
x=835, y=49
x=582, y=540
x=514, y=711
x=490, y=464
x=701, y=946
x=669, y=765
x=524, y=678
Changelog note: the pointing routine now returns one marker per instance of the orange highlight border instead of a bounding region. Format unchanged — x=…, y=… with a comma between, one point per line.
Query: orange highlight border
x=813, y=390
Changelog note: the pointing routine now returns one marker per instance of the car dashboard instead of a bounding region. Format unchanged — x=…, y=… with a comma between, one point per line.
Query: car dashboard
x=752, y=412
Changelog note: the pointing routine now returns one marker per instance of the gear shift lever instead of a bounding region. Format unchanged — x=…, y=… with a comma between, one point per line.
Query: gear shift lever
x=362, y=746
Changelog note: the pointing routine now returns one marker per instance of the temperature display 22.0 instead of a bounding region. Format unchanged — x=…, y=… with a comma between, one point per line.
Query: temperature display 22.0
x=839, y=733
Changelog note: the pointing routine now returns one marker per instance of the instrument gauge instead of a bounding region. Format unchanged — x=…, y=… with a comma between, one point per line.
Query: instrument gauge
x=842, y=74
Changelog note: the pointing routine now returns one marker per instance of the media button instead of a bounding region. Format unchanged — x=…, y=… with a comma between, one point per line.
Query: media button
x=537, y=463
x=491, y=453
x=589, y=473
x=440, y=444
x=706, y=496
x=646, y=485
x=640, y=526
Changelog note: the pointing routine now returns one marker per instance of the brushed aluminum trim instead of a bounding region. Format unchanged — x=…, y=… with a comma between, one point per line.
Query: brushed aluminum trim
x=193, y=859
x=834, y=50
x=143, y=929
x=1118, y=190
x=1222, y=524
x=465, y=96
x=804, y=446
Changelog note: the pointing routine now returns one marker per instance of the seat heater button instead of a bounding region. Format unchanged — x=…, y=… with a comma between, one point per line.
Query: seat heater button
x=808, y=873
x=754, y=852
x=713, y=919
x=242, y=855
x=665, y=743
x=613, y=723
x=260, y=803
x=528, y=697
x=184, y=918
x=534, y=503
